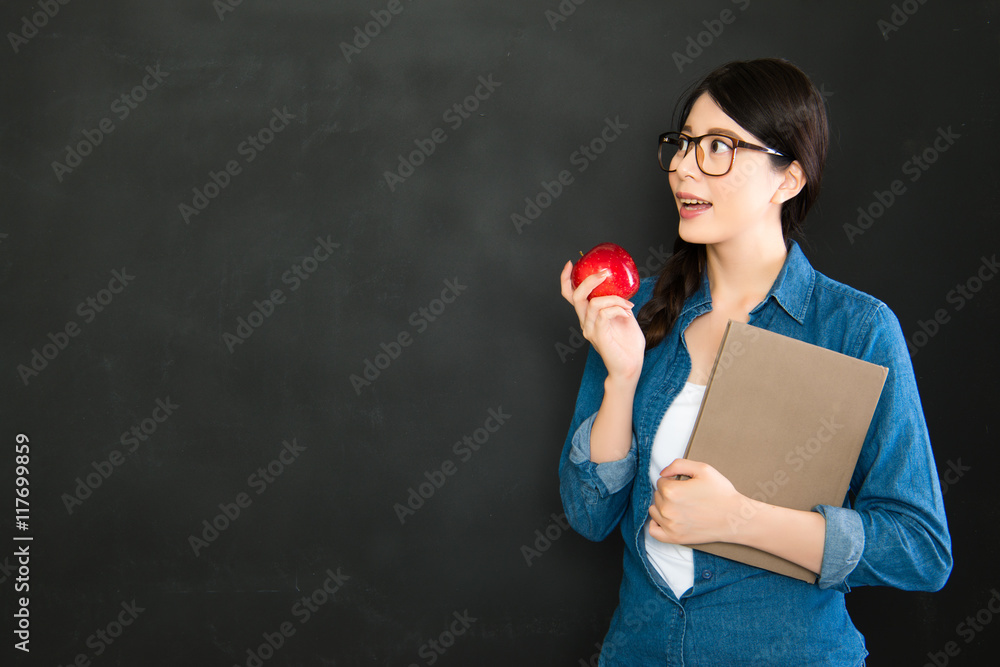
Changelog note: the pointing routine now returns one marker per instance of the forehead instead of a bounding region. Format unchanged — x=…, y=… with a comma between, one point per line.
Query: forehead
x=706, y=117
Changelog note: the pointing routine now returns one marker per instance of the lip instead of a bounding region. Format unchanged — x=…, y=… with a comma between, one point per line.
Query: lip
x=685, y=212
x=688, y=195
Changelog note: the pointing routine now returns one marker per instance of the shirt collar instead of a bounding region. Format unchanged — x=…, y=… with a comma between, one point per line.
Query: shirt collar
x=792, y=289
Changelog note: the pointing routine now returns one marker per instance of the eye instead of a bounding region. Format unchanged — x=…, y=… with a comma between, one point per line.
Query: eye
x=719, y=146
x=682, y=144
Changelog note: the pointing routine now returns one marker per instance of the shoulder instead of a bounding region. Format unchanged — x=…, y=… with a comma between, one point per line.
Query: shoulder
x=863, y=318
x=828, y=289
x=801, y=286
x=830, y=292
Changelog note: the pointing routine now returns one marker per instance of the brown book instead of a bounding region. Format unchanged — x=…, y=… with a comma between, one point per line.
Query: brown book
x=784, y=420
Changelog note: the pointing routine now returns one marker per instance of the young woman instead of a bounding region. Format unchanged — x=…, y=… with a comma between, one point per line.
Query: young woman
x=744, y=168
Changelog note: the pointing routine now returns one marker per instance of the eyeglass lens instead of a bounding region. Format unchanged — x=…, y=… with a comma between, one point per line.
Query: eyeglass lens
x=714, y=153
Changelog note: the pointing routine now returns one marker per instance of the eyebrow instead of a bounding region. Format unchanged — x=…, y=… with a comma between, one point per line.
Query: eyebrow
x=716, y=130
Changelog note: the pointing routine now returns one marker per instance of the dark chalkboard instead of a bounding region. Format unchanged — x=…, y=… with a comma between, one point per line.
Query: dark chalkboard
x=281, y=322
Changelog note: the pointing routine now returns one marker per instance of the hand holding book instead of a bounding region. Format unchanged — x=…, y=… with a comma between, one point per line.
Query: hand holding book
x=692, y=503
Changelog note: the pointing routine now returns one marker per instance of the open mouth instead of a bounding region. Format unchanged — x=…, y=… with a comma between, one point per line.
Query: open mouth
x=694, y=204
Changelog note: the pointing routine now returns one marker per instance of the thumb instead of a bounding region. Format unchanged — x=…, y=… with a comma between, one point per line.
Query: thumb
x=684, y=467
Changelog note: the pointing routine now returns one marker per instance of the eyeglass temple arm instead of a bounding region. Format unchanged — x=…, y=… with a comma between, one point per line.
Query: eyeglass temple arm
x=754, y=147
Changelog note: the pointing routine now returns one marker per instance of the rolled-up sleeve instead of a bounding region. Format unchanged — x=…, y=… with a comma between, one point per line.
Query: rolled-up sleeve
x=842, y=547
x=605, y=478
x=594, y=495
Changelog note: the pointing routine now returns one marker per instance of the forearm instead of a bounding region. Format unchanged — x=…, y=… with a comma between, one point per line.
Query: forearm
x=794, y=535
x=611, y=435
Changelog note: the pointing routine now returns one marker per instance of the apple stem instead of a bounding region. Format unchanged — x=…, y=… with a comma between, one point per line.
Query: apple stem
x=581, y=253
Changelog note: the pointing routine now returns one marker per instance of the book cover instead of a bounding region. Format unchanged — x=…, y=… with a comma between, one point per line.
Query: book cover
x=784, y=421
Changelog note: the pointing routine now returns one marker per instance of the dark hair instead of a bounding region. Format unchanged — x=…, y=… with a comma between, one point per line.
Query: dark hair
x=776, y=102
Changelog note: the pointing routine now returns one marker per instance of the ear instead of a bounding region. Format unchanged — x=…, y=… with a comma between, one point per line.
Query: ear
x=792, y=183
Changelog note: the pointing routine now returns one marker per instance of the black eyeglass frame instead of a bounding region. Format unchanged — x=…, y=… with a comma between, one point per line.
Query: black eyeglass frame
x=673, y=137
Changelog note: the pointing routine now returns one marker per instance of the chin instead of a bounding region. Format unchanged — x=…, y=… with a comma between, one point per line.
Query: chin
x=695, y=232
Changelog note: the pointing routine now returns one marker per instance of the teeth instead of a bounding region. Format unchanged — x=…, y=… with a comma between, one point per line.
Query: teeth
x=693, y=201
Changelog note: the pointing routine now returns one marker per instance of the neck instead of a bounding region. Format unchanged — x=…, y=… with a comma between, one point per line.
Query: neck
x=740, y=273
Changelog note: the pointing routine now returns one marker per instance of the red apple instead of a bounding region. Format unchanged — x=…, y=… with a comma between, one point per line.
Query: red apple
x=624, y=279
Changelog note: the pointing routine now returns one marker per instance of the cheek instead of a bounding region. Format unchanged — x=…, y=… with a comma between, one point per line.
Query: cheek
x=745, y=191
x=727, y=194
x=674, y=181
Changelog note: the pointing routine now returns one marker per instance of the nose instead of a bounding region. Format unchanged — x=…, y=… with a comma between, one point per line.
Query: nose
x=687, y=164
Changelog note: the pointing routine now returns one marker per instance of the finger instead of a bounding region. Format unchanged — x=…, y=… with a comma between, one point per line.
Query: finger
x=662, y=484
x=598, y=319
x=566, y=282
x=667, y=493
x=588, y=284
x=604, y=307
x=578, y=296
x=580, y=304
x=612, y=300
x=602, y=316
x=655, y=515
x=656, y=530
x=685, y=467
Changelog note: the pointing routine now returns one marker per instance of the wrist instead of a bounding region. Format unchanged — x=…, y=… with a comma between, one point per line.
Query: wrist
x=622, y=383
x=740, y=517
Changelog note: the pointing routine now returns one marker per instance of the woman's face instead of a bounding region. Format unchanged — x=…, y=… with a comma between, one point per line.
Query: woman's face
x=742, y=203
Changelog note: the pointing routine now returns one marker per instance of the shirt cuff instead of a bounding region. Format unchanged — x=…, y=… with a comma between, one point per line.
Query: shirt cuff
x=609, y=477
x=842, y=546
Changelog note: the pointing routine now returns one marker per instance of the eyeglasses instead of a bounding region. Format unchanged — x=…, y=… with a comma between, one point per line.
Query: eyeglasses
x=715, y=153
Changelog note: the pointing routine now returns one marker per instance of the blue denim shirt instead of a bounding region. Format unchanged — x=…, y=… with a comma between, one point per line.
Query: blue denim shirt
x=891, y=530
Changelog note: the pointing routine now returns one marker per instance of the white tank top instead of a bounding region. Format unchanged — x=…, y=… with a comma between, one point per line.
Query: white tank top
x=675, y=563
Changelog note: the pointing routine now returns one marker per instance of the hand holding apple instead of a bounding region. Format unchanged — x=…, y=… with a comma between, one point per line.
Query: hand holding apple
x=602, y=304
x=623, y=280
